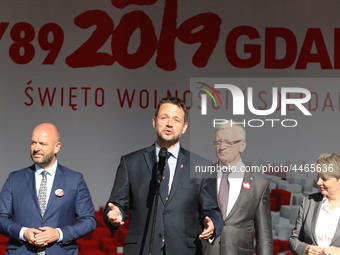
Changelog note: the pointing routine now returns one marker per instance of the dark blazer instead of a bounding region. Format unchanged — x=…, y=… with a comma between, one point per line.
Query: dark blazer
x=180, y=218
x=304, y=231
x=19, y=208
x=250, y=214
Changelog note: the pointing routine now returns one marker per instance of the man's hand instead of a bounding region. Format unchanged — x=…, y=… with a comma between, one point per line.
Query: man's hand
x=47, y=235
x=332, y=250
x=313, y=250
x=208, y=229
x=29, y=235
x=115, y=216
x=42, y=236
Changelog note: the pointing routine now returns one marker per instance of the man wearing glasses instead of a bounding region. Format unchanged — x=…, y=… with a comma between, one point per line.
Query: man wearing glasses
x=243, y=198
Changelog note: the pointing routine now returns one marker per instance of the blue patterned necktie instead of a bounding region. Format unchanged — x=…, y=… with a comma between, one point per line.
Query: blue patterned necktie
x=42, y=204
x=42, y=193
x=165, y=180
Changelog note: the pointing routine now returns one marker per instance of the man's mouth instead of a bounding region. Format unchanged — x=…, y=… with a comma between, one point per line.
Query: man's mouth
x=168, y=131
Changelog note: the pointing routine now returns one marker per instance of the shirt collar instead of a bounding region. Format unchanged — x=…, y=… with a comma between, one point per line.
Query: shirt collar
x=325, y=206
x=174, y=151
x=237, y=166
x=50, y=171
x=324, y=199
x=236, y=169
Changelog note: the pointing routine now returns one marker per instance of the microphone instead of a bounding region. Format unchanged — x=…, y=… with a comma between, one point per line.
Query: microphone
x=162, y=155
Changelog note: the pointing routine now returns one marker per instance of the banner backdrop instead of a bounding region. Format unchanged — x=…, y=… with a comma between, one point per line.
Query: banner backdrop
x=96, y=69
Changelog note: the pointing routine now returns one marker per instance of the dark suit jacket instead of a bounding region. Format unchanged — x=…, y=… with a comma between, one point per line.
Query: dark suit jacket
x=304, y=231
x=250, y=214
x=19, y=208
x=179, y=218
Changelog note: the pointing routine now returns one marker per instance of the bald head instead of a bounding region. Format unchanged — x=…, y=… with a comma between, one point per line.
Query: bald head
x=49, y=129
x=45, y=144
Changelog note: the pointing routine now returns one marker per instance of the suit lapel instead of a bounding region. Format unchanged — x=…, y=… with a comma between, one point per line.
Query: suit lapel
x=30, y=178
x=336, y=234
x=182, y=164
x=243, y=194
x=150, y=158
x=317, y=207
x=57, y=184
x=215, y=176
x=151, y=161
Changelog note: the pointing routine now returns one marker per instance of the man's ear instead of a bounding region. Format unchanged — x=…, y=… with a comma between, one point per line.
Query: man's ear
x=243, y=145
x=154, y=122
x=185, y=128
x=57, y=147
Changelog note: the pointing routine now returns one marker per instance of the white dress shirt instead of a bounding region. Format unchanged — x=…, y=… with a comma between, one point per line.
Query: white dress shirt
x=326, y=224
x=50, y=178
x=235, y=183
x=172, y=161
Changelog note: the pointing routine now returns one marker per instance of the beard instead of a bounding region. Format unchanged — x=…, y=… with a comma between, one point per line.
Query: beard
x=168, y=141
x=44, y=161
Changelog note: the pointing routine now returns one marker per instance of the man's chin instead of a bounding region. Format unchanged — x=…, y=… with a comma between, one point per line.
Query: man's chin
x=38, y=160
x=168, y=141
x=223, y=158
x=42, y=163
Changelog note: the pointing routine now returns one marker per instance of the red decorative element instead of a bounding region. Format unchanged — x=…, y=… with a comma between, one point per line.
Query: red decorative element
x=246, y=185
x=59, y=193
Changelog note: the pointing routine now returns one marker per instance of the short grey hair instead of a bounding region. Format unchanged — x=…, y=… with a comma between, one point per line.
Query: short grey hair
x=231, y=123
x=329, y=163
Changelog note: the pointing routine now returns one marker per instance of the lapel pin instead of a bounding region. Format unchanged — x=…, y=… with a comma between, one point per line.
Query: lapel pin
x=59, y=193
x=246, y=185
x=181, y=166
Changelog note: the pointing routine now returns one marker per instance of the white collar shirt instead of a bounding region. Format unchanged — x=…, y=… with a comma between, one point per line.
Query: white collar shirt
x=50, y=178
x=326, y=224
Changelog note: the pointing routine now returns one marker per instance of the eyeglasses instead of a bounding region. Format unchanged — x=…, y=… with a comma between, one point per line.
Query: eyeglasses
x=228, y=144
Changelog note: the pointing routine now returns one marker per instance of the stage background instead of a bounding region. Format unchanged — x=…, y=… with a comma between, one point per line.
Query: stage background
x=96, y=69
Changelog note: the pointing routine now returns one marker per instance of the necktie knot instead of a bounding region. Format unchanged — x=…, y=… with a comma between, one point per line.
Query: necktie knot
x=168, y=155
x=44, y=173
x=226, y=174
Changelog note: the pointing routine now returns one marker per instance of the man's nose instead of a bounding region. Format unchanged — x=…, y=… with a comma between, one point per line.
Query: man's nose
x=169, y=122
x=36, y=147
